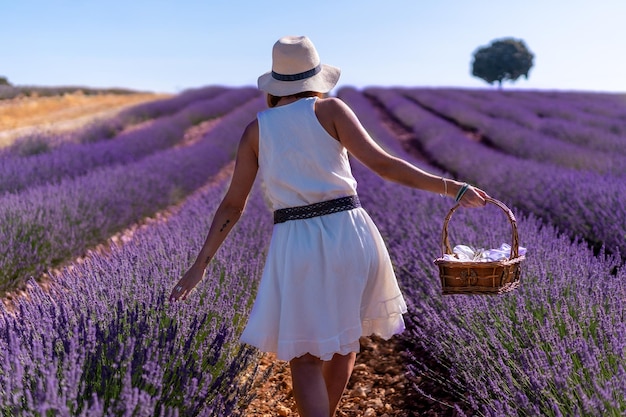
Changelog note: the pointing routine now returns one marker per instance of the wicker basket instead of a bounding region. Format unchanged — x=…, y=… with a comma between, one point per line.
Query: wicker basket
x=474, y=277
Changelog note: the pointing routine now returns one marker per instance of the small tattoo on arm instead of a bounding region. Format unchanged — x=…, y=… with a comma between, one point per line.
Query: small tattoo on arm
x=207, y=260
x=224, y=225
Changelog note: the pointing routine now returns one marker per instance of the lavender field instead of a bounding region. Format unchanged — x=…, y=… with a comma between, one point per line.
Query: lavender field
x=100, y=339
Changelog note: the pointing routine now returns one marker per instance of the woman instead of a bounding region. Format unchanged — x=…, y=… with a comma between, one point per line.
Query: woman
x=328, y=279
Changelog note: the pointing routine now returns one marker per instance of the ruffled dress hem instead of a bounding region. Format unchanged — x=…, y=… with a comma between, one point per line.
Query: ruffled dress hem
x=385, y=320
x=344, y=343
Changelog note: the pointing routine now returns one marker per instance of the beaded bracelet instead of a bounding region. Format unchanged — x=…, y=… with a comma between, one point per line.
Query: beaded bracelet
x=461, y=192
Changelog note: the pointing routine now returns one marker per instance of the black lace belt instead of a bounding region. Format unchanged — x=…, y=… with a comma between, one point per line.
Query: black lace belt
x=316, y=209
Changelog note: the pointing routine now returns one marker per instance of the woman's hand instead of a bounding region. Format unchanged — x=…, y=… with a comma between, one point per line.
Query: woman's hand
x=473, y=197
x=187, y=283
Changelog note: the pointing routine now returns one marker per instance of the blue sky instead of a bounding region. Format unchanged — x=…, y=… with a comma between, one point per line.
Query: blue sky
x=167, y=46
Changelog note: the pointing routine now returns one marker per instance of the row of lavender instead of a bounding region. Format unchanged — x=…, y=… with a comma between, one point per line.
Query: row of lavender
x=46, y=225
x=521, y=137
x=555, y=347
x=593, y=123
x=106, y=128
x=604, y=111
x=73, y=160
x=103, y=340
x=582, y=203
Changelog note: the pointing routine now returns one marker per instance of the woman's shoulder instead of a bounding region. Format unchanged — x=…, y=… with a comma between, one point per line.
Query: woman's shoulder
x=335, y=109
x=332, y=113
x=330, y=102
x=330, y=107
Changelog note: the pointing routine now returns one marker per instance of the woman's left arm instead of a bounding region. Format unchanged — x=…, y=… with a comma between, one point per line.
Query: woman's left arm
x=228, y=212
x=351, y=133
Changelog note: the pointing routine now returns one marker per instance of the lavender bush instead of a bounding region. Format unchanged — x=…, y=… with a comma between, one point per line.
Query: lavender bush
x=102, y=129
x=605, y=112
x=44, y=226
x=73, y=160
x=580, y=203
x=103, y=341
x=556, y=347
x=107, y=129
x=581, y=119
x=552, y=348
x=517, y=137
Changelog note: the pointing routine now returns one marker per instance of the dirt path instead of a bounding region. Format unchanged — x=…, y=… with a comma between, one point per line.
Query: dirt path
x=377, y=387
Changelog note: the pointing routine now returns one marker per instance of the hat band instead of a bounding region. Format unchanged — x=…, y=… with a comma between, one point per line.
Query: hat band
x=297, y=77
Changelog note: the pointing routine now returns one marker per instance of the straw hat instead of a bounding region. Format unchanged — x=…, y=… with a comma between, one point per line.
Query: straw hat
x=296, y=67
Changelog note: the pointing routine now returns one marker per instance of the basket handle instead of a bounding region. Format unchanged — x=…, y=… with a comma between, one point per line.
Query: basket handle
x=515, y=241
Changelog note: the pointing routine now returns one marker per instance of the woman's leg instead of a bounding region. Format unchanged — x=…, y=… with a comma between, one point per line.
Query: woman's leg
x=309, y=388
x=337, y=372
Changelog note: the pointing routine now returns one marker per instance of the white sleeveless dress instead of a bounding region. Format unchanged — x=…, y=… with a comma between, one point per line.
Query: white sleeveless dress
x=327, y=280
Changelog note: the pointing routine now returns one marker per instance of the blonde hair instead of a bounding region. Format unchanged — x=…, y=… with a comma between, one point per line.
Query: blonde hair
x=272, y=100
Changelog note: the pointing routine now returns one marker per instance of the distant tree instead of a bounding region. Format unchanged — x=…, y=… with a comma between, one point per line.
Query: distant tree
x=504, y=59
x=4, y=81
